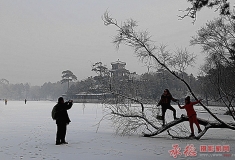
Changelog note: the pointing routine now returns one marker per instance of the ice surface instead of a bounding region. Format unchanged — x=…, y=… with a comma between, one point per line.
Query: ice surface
x=28, y=132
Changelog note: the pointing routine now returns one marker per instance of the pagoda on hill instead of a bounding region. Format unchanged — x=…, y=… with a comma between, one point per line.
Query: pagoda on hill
x=118, y=69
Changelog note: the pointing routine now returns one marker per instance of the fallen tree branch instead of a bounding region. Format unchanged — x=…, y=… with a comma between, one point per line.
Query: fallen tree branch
x=130, y=98
x=136, y=116
x=206, y=123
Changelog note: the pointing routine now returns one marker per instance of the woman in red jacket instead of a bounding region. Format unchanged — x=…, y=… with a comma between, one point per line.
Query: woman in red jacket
x=191, y=114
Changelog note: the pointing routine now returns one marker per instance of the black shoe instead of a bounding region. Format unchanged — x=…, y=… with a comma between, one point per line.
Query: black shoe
x=64, y=142
x=191, y=136
x=58, y=143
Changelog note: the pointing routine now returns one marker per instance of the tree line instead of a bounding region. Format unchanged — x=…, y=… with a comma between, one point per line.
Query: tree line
x=20, y=91
x=148, y=86
x=48, y=91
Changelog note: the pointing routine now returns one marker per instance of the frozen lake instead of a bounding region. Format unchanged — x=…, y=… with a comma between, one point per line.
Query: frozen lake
x=28, y=132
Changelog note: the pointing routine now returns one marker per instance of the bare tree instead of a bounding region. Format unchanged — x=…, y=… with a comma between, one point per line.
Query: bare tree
x=182, y=59
x=141, y=116
x=217, y=39
x=223, y=6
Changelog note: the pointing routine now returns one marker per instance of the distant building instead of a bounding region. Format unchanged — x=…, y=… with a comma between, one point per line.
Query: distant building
x=119, y=73
x=118, y=69
x=84, y=97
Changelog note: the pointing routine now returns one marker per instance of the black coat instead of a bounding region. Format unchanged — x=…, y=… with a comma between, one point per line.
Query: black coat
x=61, y=112
x=166, y=100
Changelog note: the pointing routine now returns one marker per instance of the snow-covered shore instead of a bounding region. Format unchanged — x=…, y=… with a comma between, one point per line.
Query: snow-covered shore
x=28, y=132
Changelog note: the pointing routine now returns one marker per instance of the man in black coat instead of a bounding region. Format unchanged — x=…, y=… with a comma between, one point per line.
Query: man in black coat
x=62, y=119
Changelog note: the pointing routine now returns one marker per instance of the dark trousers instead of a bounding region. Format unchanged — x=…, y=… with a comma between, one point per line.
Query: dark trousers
x=164, y=108
x=61, y=132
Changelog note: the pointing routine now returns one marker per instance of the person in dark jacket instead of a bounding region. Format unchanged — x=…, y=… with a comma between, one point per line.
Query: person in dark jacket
x=62, y=119
x=165, y=102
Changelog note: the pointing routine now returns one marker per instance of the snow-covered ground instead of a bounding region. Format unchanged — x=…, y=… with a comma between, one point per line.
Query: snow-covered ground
x=28, y=132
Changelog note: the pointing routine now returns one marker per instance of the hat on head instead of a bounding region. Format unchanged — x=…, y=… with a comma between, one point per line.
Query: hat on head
x=187, y=98
x=61, y=99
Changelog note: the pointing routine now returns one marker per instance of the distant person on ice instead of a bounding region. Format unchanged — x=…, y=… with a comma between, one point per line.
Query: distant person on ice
x=165, y=102
x=191, y=114
x=60, y=114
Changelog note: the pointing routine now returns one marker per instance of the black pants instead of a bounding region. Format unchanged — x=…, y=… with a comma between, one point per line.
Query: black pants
x=61, y=132
x=164, y=108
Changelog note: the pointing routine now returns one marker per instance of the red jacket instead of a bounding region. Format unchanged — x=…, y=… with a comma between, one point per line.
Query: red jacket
x=189, y=108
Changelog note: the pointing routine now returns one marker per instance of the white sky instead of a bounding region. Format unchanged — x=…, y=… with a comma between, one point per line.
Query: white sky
x=41, y=38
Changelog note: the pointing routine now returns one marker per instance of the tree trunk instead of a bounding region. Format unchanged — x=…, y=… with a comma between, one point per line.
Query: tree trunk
x=207, y=124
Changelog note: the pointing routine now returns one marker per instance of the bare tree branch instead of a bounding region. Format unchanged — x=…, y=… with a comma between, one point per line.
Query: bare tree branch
x=207, y=124
x=143, y=48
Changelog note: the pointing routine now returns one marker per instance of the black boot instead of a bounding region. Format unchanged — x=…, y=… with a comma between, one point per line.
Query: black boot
x=199, y=131
x=191, y=135
x=58, y=143
x=64, y=142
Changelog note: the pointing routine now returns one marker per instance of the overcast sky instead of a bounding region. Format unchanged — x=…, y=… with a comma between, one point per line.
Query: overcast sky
x=41, y=38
